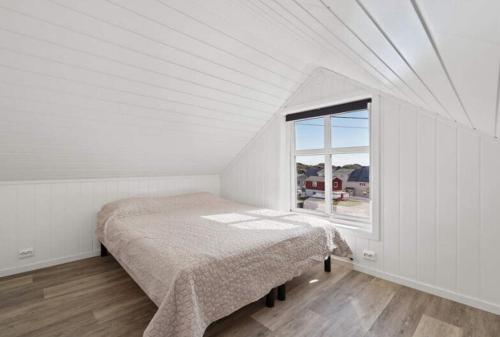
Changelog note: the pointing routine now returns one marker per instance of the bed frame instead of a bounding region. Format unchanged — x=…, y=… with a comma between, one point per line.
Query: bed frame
x=104, y=251
x=278, y=292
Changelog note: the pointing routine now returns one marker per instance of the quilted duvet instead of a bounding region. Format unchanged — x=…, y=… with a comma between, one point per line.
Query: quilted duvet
x=200, y=258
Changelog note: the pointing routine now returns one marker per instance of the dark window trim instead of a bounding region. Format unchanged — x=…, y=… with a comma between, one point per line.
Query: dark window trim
x=330, y=110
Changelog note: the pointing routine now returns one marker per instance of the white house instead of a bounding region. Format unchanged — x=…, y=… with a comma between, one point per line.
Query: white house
x=358, y=183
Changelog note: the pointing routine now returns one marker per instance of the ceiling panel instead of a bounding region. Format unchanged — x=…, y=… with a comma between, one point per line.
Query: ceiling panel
x=468, y=35
x=357, y=20
x=400, y=26
x=104, y=88
x=478, y=19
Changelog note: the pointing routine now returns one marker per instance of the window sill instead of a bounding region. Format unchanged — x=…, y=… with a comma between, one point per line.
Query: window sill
x=357, y=228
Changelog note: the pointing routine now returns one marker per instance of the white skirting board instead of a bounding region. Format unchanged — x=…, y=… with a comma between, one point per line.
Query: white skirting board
x=47, y=263
x=431, y=289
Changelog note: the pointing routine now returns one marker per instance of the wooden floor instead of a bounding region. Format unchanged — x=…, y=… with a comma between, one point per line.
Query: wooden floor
x=95, y=297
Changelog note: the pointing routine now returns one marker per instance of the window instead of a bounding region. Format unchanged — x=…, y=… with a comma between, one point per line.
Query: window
x=331, y=152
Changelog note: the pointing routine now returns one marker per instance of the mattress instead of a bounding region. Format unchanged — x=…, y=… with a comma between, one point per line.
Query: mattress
x=200, y=258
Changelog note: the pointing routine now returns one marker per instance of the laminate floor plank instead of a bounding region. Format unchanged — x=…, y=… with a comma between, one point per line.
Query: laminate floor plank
x=96, y=298
x=306, y=323
x=243, y=327
x=85, y=284
x=123, y=308
x=240, y=323
x=331, y=302
x=401, y=315
x=70, y=326
x=131, y=324
x=432, y=327
x=313, y=286
x=33, y=316
x=354, y=315
x=473, y=322
x=15, y=282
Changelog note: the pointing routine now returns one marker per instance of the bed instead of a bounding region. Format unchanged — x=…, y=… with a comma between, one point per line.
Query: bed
x=200, y=258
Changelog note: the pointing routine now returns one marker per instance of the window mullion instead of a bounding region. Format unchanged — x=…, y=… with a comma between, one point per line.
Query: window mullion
x=293, y=164
x=328, y=165
x=351, y=149
x=314, y=152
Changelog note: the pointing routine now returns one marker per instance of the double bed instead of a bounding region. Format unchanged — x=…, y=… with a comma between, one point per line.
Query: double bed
x=199, y=257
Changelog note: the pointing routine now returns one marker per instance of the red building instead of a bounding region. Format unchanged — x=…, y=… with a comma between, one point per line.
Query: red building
x=337, y=184
x=318, y=183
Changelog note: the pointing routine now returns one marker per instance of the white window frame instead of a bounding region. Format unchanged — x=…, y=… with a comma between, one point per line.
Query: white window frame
x=367, y=229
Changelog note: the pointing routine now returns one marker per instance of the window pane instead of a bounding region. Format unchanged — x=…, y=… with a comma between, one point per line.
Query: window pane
x=351, y=129
x=311, y=182
x=309, y=134
x=351, y=185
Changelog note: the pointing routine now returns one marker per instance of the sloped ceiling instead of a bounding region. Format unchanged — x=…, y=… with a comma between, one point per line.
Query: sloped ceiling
x=101, y=88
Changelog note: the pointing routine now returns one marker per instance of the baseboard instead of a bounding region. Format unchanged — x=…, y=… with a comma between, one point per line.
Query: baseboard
x=431, y=289
x=47, y=263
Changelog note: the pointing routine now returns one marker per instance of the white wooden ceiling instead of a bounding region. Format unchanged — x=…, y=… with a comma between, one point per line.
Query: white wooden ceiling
x=100, y=88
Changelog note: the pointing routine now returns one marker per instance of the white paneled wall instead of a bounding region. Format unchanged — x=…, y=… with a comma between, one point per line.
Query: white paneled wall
x=57, y=218
x=440, y=199
x=440, y=218
x=489, y=224
x=254, y=176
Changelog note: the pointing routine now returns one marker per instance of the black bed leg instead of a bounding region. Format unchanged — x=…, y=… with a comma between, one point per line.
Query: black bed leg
x=282, y=292
x=104, y=251
x=270, y=298
x=328, y=264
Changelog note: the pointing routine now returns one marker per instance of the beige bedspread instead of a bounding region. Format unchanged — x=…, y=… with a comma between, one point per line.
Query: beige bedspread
x=200, y=258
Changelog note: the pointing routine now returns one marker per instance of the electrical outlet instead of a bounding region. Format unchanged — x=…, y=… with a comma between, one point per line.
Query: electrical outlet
x=369, y=255
x=27, y=252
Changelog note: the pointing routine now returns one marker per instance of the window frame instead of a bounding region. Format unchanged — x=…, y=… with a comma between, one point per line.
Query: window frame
x=367, y=229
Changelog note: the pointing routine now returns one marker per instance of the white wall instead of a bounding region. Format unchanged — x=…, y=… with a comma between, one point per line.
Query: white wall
x=253, y=177
x=57, y=218
x=440, y=217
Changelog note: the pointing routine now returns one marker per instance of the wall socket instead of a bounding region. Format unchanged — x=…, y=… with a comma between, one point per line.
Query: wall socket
x=369, y=255
x=27, y=252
